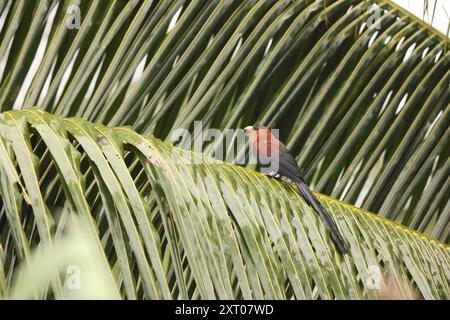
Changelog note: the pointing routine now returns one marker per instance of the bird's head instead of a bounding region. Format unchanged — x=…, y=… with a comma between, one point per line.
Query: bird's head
x=255, y=128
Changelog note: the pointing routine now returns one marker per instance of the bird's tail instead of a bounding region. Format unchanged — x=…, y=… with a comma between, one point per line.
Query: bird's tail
x=311, y=199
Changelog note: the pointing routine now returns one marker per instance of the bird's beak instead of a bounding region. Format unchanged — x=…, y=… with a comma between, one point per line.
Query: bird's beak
x=248, y=129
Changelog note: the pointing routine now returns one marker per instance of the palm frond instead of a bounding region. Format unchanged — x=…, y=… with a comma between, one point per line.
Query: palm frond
x=171, y=226
x=360, y=92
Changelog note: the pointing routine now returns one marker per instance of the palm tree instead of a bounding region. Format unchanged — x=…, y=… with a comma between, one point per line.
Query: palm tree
x=358, y=89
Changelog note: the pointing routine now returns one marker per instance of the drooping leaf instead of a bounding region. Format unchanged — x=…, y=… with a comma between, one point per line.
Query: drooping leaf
x=195, y=227
x=359, y=88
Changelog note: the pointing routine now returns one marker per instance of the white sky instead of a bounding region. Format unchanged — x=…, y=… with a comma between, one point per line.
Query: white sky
x=441, y=15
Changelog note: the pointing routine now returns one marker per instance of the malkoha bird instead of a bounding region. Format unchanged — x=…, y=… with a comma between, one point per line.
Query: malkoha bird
x=268, y=150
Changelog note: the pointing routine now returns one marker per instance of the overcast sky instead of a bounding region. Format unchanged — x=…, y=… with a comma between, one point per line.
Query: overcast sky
x=441, y=15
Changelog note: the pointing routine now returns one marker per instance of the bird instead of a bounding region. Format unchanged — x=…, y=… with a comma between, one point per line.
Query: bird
x=269, y=151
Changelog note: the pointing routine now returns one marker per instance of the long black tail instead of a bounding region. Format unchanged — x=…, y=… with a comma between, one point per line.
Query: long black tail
x=311, y=199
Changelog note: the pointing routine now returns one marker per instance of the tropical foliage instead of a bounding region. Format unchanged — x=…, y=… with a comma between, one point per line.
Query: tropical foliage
x=173, y=229
x=360, y=93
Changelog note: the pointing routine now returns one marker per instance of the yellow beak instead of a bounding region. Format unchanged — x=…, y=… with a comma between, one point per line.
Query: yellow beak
x=248, y=129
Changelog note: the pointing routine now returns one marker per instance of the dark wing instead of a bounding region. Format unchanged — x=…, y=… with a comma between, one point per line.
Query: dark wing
x=287, y=166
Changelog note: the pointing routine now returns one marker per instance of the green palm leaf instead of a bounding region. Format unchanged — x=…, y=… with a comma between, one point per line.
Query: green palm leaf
x=170, y=226
x=360, y=92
